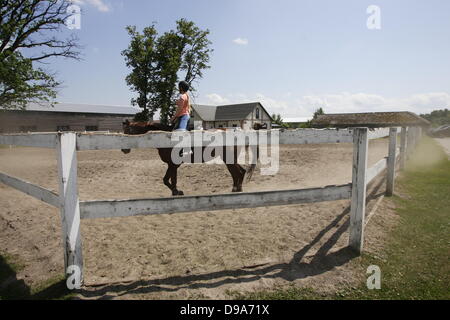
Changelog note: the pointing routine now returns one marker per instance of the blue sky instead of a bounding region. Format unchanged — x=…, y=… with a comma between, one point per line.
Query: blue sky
x=294, y=56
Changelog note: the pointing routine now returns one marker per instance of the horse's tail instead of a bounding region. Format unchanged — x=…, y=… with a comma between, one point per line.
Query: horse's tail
x=252, y=167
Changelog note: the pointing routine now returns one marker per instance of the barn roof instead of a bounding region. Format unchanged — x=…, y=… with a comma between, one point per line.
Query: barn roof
x=226, y=112
x=83, y=108
x=234, y=111
x=207, y=113
x=369, y=119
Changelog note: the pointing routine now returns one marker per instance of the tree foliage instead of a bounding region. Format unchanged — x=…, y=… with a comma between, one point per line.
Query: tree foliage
x=308, y=124
x=317, y=113
x=28, y=35
x=158, y=62
x=438, y=117
x=278, y=120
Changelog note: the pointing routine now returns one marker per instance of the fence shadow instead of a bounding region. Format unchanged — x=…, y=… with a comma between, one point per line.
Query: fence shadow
x=13, y=288
x=320, y=262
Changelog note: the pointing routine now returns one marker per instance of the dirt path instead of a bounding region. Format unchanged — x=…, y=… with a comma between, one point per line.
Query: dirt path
x=445, y=143
x=198, y=254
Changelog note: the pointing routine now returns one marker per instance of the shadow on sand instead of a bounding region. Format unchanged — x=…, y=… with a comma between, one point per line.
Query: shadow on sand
x=322, y=261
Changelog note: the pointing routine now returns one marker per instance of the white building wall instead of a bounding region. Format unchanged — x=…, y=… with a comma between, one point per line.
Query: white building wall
x=208, y=125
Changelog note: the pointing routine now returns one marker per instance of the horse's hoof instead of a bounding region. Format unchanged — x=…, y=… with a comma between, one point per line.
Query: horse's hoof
x=177, y=193
x=180, y=193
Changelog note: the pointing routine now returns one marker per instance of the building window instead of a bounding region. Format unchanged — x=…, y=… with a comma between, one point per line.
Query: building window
x=91, y=128
x=63, y=128
x=27, y=128
x=257, y=113
x=234, y=125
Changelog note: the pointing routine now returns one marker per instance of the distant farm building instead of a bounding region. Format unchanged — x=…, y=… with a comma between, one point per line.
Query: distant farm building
x=370, y=120
x=296, y=122
x=65, y=117
x=244, y=116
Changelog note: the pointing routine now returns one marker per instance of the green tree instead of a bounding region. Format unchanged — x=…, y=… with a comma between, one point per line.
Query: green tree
x=308, y=124
x=318, y=112
x=157, y=63
x=141, y=58
x=438, y=117
x=28, y=35
x=278, y=120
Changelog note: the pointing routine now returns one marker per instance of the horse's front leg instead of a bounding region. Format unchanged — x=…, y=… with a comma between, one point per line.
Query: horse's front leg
x=173, y=169
x=167, y=177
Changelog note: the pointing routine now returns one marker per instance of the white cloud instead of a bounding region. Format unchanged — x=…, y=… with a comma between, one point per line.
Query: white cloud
x=241, y=41
x=216, y=99
x=99, y=4
x=363, y=102
x=343, y=102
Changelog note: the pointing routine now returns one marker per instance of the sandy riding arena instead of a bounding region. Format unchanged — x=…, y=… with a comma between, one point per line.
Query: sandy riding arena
x=188, y=255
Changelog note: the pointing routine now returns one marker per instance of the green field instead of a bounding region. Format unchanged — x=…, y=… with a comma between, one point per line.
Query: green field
x=418, y=263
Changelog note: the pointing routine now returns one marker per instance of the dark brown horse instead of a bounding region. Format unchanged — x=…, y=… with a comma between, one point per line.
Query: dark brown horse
x=170, y=178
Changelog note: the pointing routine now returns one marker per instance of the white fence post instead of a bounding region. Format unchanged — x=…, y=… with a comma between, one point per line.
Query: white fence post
x=418, y=135
x=69, y=205
x=409, y=142
x=391, y=161
x=358, y=204
x=403, y=148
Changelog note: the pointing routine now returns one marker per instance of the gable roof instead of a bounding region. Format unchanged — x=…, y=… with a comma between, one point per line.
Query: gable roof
x=369, y=119
x=206, y=113
x=234, y=111
x=227, y=112
x=82, y=108
x=237, y=111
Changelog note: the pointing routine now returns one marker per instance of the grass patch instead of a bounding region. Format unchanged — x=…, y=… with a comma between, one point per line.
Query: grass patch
x=417, y=265
x=12, y=288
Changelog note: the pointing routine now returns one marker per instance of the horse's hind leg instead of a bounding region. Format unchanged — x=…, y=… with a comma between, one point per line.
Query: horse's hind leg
x=241, y=174
x=235, y=173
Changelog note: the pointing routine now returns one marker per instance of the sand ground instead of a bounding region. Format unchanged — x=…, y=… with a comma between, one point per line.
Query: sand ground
x=189, y=255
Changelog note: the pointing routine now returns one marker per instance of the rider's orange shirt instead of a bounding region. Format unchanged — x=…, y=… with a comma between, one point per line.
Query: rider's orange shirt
x=183, y=105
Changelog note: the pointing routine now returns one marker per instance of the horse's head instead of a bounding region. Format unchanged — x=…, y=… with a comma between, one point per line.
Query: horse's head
x=142, y=127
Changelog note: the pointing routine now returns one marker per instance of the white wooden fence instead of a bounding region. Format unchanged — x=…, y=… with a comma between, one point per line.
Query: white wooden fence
x=72, y=209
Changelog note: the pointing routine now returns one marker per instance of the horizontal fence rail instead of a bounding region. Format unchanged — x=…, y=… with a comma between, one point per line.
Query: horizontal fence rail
x=378, y=133
x=376, y=169
x=35, y=191
x=379, y=167
x=39, y=140
x=123, y=208
x=161, y=139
